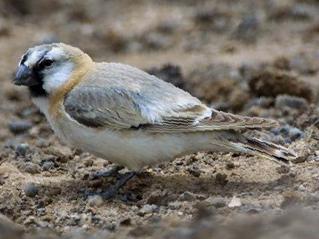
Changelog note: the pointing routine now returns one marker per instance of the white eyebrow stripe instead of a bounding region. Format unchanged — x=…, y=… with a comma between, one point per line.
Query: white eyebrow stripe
x=54, y=53
x=34, y=57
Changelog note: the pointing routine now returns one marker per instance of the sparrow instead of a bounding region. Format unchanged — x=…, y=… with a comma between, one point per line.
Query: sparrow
x=129, y=117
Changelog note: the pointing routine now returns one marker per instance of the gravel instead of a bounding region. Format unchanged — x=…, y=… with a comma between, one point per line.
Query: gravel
x=31, y=190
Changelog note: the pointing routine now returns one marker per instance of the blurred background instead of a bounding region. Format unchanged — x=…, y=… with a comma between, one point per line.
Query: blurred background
x=257, y=58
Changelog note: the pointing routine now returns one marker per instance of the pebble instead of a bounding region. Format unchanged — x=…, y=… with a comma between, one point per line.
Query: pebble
x=291, y=102
x=302, y=188
x=30, y=190
x=295, y=133
x=62, y=153
x=88, y=162
x=194, y=171
x=147, y=209
x=175, y=205
x=230, y=165
x=187, y=196
x=247, y=29
x=47, y=165
x=283, y=169
x=289, y=133
x=235, y=202
x=22, y=149
x=217, y=202
x=32, y=168
x=20, y=126
x=221, y=179
x=95, y=201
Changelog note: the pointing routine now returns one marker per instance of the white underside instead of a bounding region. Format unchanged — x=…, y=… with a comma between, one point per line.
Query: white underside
x=133, y=149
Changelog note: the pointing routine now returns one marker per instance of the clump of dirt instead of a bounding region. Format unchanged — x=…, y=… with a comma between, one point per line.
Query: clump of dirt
x=272, y=82
x=219, y=83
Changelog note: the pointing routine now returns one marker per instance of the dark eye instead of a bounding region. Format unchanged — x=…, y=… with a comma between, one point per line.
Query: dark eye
x=45, y=63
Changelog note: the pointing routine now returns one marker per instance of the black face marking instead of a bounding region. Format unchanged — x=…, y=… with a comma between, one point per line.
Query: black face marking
x=24, y=58
x=37, y=90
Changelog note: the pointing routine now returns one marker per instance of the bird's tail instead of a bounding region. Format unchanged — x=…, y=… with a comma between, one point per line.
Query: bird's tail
x=265, y=149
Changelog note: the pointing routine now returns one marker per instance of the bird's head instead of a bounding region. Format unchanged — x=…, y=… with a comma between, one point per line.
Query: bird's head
x=45, y=68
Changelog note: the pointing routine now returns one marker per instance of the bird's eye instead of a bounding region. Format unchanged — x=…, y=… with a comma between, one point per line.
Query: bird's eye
x=45, y=63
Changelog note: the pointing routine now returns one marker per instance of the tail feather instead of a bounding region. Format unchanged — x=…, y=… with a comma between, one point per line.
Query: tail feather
x=267, y=150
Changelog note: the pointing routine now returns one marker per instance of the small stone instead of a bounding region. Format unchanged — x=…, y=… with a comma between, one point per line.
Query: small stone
x=20, y=126
x=126, y=222
x=302, y=188
x=22, y=149
x=235, y=202
x=62, y=153
x=194, y=171
x=160, y=197
x=289, y=133
x=53, y=191
x=217, y=202
x=42, y=143
x=283, y=169
x=230, y=166
x=47, y=165
x=291, y=102
x=88, y=162
x=147, y=209
x=156, y=41
x=31, y=190
x=175, y=205
x=187, y=196
x=295, y=133
x=95, y=201
x=32, y=168
x=247, y=30
x=221, y=179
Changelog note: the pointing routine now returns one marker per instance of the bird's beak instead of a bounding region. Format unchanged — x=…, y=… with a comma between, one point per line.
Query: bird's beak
x=24, y=76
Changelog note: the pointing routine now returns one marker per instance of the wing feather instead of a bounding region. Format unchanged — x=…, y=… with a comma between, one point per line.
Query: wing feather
x=119, y=97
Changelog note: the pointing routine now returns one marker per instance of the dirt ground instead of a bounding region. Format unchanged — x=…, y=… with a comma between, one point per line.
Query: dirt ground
x=257, y=58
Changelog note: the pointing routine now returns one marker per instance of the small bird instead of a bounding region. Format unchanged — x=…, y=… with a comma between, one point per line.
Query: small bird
x=129, y=117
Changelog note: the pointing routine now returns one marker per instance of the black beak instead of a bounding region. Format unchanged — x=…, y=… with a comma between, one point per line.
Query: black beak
x=24, y=76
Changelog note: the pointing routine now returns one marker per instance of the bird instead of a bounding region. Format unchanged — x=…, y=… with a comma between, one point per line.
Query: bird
x=129, y=117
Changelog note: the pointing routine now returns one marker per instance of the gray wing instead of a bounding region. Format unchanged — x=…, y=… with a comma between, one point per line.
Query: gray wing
x=100, y=107
x=117, y=96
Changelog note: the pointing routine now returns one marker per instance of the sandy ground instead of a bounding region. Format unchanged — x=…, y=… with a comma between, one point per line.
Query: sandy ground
x=257, y=58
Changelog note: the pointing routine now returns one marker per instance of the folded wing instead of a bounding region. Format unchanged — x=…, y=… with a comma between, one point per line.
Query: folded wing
x=138, y=100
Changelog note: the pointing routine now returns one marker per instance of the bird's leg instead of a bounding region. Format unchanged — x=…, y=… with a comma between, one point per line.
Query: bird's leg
x=113, y=190
x=108, y=173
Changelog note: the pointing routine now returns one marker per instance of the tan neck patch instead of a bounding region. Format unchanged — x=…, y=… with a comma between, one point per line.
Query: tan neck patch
x=83, y=64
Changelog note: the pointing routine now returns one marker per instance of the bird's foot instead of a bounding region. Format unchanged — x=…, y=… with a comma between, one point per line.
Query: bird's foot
x=108, y=173
x=112, y=191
